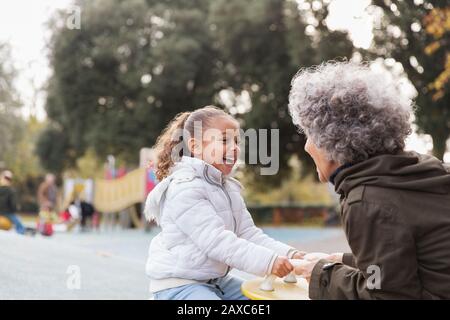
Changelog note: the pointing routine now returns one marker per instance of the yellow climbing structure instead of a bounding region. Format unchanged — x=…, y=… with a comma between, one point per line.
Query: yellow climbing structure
x=119, y=194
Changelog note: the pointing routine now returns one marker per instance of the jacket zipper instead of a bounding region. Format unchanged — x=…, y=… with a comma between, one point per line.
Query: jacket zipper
x=205, y=174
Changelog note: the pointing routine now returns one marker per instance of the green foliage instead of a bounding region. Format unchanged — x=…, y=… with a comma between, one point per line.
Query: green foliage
x=299, y=188
x=133, y=65
x=88, y=166
x=10, y=124
x=25, y=164
x=264, y=43
x=17, y=136
x=8, y=95
x=10, y=133
x=402, y=35
x=21, y=159
x=121, y=78
x=52, y=146
x=305, y=191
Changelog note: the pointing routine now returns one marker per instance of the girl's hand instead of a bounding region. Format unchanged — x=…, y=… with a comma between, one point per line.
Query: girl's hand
x=282, y=267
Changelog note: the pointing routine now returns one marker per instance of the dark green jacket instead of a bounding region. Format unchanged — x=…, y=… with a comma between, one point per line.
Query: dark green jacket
x=7, y=200
x=395, y=210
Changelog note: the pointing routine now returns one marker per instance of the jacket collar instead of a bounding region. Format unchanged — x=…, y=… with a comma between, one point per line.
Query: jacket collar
x=203, y=169
x=339, y=169
x=404, y=170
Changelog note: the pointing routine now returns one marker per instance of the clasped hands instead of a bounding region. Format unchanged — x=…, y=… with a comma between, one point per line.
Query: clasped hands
x=282, y=266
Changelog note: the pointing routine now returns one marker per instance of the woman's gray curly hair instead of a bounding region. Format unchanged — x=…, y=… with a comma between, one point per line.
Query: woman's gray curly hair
x=349, y=111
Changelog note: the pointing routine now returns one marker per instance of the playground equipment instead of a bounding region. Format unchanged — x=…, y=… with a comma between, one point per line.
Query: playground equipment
x=274, y=288
x=5, y=223
x=289, y=288
x=118, y=194
x=113, y=197
x=122, y=194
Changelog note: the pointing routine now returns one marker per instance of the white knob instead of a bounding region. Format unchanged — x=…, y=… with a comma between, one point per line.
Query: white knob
x=267, y=284
x=290, y=278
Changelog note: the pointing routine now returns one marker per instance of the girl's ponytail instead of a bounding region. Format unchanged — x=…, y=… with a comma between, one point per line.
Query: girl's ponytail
x=168, y=141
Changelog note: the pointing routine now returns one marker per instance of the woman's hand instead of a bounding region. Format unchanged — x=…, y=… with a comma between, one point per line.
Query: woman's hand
x=336, y=257
x=315, y=256
x=310, y=260
x=305, y=269
x=282, y=267
x=299, y=255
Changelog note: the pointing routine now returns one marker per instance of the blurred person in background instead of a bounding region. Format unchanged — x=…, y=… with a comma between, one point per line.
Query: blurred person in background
x=8, y=203
x=47, y=193
x=47, y=197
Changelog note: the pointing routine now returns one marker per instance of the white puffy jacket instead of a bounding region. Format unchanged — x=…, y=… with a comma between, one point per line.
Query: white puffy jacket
x=206, y=229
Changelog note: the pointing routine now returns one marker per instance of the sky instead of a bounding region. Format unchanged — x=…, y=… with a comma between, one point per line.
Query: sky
x=22, y=24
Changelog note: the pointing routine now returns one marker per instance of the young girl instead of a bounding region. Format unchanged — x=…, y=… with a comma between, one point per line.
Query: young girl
x=206, y=228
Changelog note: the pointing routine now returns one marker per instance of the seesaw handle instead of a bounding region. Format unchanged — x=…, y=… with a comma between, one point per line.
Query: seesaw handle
x=267, y=284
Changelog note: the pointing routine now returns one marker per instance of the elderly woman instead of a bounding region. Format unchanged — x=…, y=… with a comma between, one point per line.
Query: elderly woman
x=395, y=205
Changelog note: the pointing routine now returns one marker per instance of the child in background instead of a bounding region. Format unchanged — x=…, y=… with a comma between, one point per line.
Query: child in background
x=45, y=222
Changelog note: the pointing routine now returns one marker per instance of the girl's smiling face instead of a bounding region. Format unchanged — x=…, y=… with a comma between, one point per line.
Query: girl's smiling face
x=220, y=145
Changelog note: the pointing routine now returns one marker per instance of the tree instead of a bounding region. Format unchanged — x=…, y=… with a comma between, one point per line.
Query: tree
x=129, y=69
x=402, y=35
x=53, y=149
x=25, y=165
x=133, y=65
x=437, y=24
x=10, y=124
x=17, y=136
x=263, y=44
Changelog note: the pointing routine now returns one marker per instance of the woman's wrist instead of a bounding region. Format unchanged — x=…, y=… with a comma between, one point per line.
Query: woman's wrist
x=336, y=257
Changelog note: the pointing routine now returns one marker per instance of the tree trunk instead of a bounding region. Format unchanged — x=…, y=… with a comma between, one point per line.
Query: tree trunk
x=439, y=145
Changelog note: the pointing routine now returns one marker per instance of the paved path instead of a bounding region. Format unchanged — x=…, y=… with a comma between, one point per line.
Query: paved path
x=111, y=263
x=37, y=268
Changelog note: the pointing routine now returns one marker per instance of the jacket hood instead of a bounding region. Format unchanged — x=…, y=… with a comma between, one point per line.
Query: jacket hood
x=406, y=170
x=185, y=170
x=154, y=199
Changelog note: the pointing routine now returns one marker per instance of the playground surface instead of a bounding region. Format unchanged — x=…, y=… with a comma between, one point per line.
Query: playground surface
x=110, y=263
